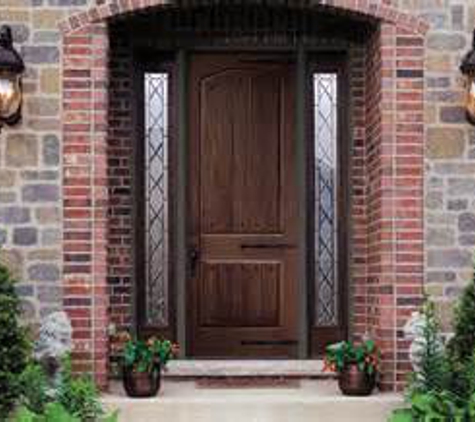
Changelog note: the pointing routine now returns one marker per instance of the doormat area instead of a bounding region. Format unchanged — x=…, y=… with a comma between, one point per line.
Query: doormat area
x=247, y=382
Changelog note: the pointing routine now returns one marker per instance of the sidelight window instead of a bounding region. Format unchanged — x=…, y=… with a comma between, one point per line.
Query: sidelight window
x=156, y=125
x=325, y=115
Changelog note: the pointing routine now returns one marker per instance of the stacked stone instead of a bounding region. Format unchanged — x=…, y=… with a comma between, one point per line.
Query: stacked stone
x=450, y=151
x=30, y=158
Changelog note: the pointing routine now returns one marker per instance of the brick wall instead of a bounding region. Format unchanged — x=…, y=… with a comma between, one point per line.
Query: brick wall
x=359, y=218
x=121, y=169
x=372, y=144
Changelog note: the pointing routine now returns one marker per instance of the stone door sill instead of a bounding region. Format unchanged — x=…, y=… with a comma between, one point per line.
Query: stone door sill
x=246, y=368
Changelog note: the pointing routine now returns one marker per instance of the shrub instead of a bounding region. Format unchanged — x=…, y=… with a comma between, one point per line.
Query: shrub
x=444, y=388
x=53, y=412
x=462, y=345
x=78, y=395
x=74, y=398
x=434, y=371
x=34, y=388
x=14, y=346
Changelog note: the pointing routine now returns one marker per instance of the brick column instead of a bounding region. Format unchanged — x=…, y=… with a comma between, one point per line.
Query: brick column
x=85, y=55
x=386, y=315
x=395, y=148
x=408, y=187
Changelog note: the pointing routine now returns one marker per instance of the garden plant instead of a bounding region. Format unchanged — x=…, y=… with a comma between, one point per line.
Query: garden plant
x=143, y=362
x=14, y=345
x=443, y=388
x=356, y=365
x=25, y=392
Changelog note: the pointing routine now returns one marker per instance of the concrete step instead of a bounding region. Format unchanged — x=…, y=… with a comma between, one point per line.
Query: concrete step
x=246, y=368
x=300, y=401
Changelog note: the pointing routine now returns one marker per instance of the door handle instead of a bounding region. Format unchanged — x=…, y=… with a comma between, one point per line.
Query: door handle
x=193, y=260
x=267, y=246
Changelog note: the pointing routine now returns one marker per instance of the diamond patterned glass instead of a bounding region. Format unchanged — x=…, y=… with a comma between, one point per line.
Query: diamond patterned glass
x=156, y=197
x=325, y=167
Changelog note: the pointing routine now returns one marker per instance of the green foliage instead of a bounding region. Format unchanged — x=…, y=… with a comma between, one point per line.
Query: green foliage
x=366, y=355
x=24, y=383
x=78, y=395
x=462, y=345
x=14, y=346
x=23, y=414
x=436, y=407
x=53, y=412
x=444, y=389
x=34, y=387
x=434, y=374
x=76, y=399
x=148, y=356
x=401, y=415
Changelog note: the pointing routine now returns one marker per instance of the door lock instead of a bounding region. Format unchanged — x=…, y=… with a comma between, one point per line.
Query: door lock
x=193, y=260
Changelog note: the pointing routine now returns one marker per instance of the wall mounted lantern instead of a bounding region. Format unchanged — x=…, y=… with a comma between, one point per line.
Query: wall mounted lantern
x=468, y=69
x=11, y=71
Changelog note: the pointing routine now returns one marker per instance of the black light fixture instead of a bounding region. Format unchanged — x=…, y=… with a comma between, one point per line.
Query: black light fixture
x=468, y=69
x=11, y=71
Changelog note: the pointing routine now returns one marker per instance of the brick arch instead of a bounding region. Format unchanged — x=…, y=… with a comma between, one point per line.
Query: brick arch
x=388, y=262
x=371, y=8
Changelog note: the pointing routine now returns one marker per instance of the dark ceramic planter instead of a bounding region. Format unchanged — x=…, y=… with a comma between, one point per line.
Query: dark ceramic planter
x=353, y=382
x=141, y=384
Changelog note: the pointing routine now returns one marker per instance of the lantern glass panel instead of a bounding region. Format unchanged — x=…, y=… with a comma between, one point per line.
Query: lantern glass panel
x=470, y=101
x=10, y=95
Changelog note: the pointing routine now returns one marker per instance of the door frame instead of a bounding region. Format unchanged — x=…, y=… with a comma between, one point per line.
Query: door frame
x=305, y=57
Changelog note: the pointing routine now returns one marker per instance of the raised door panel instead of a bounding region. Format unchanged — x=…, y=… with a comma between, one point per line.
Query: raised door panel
x=240, y=160
x=240, y=295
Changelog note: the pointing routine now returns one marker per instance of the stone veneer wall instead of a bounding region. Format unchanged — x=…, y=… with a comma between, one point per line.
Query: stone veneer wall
x=450, y=151
x=30, y=157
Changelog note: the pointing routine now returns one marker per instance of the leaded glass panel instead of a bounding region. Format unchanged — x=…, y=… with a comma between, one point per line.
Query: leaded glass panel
x=156, y=197
x=326, y=211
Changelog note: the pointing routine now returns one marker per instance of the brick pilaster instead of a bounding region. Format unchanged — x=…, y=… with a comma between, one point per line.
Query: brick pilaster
x=85, y=83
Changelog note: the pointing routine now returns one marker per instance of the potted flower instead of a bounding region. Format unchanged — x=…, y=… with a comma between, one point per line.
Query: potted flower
x=142, y=364
x=356, y=365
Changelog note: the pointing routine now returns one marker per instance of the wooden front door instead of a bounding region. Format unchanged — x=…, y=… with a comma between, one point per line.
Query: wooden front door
x=243, y=244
